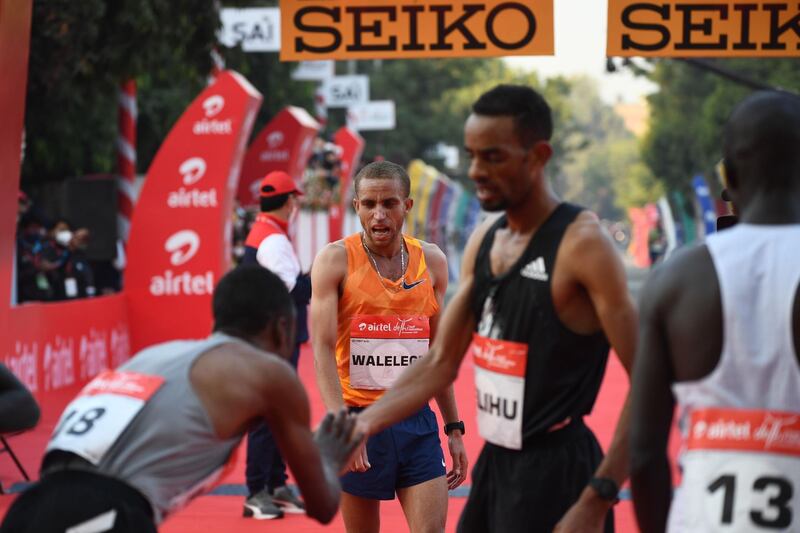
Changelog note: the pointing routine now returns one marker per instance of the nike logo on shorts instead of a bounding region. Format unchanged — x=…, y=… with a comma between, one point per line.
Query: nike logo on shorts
x=408, y=287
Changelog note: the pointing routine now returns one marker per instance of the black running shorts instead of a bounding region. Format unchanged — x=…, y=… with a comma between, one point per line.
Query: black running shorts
x=531, y=490
x=70, y=498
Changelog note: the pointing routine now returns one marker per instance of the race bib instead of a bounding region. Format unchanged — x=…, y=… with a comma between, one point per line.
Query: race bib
x=381, y=347
x=741, y=472
x=105, y=407
x=500, y=385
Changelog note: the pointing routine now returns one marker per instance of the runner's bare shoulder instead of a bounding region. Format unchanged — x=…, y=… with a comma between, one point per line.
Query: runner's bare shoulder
x=688, y=270
x=331, y=261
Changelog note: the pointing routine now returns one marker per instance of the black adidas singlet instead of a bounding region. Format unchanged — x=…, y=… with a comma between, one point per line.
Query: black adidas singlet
x=564, y=369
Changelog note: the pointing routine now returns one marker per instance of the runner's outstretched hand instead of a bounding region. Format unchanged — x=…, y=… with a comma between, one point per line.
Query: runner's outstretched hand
x=458, y=454
x=360, y=462
x=337, y=439
x=587, y=515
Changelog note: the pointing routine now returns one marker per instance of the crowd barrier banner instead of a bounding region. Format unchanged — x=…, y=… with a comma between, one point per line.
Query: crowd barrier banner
x=415, y=170
x=443, y=226
x=310, y=235
x=707, y=211
x=59, y=344
x=352, y=145
x=392, y=29
x=688, y=227
x=668, y=223
x=180, y=241
x=454, y=248
x=712, y=28
x=435, y=231
x=285, y=143
x=638, y=248
x=422, y=199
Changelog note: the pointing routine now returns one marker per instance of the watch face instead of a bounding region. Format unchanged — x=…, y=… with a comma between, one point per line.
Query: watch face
x=606, y=488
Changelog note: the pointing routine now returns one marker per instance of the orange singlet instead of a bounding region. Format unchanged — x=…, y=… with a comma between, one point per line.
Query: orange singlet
x=383, y=325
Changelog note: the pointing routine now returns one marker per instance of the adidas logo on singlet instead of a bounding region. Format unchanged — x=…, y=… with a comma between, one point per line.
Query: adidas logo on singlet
x=535, y=270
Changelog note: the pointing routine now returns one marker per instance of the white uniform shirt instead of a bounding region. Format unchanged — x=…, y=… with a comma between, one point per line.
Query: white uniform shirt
x=276, y=254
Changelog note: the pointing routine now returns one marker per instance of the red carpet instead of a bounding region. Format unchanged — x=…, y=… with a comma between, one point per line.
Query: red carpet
x=222, y=514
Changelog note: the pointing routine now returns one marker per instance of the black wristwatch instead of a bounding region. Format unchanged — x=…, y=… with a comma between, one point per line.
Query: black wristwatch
x=606, y=488
x=454, y=425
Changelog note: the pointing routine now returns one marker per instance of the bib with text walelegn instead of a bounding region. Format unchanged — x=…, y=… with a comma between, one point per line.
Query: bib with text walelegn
x=381, y=347
x=500, y=386
x=741, y=472
x=105, y=407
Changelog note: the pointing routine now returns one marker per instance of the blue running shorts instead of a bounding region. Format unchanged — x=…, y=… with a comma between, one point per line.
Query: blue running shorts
x=403, y=455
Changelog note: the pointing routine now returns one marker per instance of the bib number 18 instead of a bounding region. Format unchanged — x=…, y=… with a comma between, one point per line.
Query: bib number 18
x=82, y=425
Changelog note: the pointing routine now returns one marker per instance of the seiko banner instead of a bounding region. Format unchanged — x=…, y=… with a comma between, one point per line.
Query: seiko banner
x=255, y=29
x=391, y=29
x=181, y=229
x=285, y=143
x=712, y=28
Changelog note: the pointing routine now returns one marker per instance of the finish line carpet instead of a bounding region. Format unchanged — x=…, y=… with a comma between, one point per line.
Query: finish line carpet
x=221, y=511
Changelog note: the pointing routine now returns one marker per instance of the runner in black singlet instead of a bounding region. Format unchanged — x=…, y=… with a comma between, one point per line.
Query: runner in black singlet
x=541, y=294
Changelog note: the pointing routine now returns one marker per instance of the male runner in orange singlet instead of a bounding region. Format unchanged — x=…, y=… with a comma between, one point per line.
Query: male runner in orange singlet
x=374, y=307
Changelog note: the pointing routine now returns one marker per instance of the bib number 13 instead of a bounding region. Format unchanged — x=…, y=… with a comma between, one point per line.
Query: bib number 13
x=777, y=515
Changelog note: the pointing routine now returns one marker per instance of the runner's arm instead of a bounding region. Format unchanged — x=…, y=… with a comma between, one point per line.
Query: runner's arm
x=437, y=265
x=439, y=368
x=327, y=273
x=316, y=462
x=652, y=409
x=446, y=400
x=597, y=267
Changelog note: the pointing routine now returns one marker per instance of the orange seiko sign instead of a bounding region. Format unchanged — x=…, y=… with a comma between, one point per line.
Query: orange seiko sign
x=721, y=28
x=384, y=29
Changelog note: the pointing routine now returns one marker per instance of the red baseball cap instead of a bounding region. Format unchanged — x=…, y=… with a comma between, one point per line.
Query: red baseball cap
x=278, y=182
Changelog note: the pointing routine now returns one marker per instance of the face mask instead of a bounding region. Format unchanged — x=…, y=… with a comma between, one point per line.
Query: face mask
x=63, y=237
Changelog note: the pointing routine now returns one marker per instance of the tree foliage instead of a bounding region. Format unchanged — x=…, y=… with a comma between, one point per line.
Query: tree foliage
x=81, y=51
x=689, y=111
x=605, y=171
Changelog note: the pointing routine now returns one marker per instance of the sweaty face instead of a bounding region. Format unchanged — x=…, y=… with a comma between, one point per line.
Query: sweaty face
x=500, y=165
x=381, y=205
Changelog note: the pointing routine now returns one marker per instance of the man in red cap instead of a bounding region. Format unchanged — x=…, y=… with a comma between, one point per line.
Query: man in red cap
x=268, y=245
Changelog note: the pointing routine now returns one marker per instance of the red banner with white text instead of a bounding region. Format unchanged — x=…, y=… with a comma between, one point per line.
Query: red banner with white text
x=352, y=145
x=284, y=144
x=180, y=241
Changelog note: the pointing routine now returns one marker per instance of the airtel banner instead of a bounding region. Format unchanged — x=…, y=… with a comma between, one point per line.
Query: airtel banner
x=284, y=144
x=48, y=346
x=352, y=145
x=181, y=228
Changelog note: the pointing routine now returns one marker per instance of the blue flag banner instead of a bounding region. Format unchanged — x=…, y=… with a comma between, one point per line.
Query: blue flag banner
x=706, y=204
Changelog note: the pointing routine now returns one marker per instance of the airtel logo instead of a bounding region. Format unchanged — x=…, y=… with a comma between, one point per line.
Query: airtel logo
x=213, y=105
x=192, y=170
x=275, y=139
x=362, y=326
x=183, y=245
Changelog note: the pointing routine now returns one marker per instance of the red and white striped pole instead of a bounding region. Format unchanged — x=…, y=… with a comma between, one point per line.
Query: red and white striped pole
x=126, y=156
x=217, y=66
x=320, y=107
